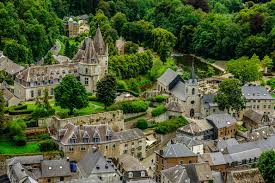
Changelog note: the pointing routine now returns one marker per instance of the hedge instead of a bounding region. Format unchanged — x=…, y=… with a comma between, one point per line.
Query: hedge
x=141, y=124
x=158, y=110
x=48, y=145
x=18, y=112
x=19, y=107
x=133, y=106
x=170, y=125
x=158, y=98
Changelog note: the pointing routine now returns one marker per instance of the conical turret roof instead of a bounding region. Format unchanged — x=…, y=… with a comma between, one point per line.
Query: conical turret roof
x=99, y=42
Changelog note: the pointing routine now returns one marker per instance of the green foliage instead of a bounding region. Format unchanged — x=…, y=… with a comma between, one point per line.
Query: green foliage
x=159, y=68
x=271, y=83
x=43, y=107
x=118, y=20
x=132, y=65
x=267, y=63
x=121, y=85
x=49, y=60
x=229, y=95
x=245, y=69
x=158, y=98
x=163, y=42
x=48, y=145
x=71, y=48
x=134, y=106
x=158, y=110
x=141, y=124
x=20, y=140
x=266, y=165
x=130, y=47
x=16, y=127
x=62, y=114
x=71, y=94
x=170, y=125
x=29, y=29
x=106, y=90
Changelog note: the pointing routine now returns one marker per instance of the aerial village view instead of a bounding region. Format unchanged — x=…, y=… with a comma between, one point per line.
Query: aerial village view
x=137, y=91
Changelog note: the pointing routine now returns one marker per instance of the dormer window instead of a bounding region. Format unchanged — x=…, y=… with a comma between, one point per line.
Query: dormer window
x=85, y=140
x=142, y=173
x=109, y=134
x=96, y=137
x=130, y=174
x=73, y=141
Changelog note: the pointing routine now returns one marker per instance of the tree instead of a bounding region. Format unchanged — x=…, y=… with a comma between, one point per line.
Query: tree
x=267, y=63
x=163, y=42
x=130, y=47
x=202, y=4
x=2, y=106
x=229, y=95
x=266, y=165
x=256, y=23
x=106, y=90
x=142, y=124
x=49, y=60
x=118, y=21
x=71, y=94
x=245, y=69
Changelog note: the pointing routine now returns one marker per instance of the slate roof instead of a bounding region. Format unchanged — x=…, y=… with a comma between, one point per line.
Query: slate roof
x=253, y=115
x=46, y=73
x=141, y=181
x=78, y=132
x=209, y=100
x=249, y=175
x=188, y=141
x=55, y=168
x=195, y=127
x=217, y=177
x=176, y=151
x=167, y=77
x=215, y=158
x=174, y=107
x=99, y=42
x=177, y=174
x=256, y=93
x=20, y=174
x=221, y=120
x=199, y=172
x=179, y=91
x=92, y=179
x=222, y=144
x=130, y=134
x=9, y=66
x=130, y=163
x=259, y=133
x=246, y=154
x=94, y=163
x=25, y=160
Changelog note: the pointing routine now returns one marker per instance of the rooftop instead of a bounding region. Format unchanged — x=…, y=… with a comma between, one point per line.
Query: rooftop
x=167, y=77
x=221, y=120
x=130, y=134
x=130, y=163
x=177, y=174
x=244, y=176
x=55, y=168
x=256, y=92
x=9, y=66
x=175, y=151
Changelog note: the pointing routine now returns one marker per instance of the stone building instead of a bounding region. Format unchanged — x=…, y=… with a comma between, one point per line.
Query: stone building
x=253, y=119
x=132, y=142
x=244, y=176
x=8, y=66
x=93, y=164
x=131, y=168
x=224, y=125
x=71, y=27
x=215, y=160
x=176, y=174
x=171, y=156
x=76, y=140
x=89, y=65
x=186, y=93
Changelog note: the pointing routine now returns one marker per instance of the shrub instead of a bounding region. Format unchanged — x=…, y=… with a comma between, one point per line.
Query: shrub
x=142, y=124
x=20, y=107
x=134, y=106
x=170, y=125
x=271, y=83
x=92, y=98
x=121, y=85
x=32, y=123
x=63, y=115
x=158, y=110
x=16, y=127
x=44, y=136
x=41, y=112
x=20, y=140
x=158, y=98
x=48, y=145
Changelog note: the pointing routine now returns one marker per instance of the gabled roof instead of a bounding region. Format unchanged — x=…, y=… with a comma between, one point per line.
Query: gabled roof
x=99, y=42
x=25, y=160
x=209, y=100
x=221, y=120
x=253, y=115
x=256, y=92
x=176, y=151
x=130, y=134
x=174, y=107
x=55, y=168
x=130, y=163
x=9, y=66
x=199, y=172
x=216, y=158
x=249, y=175
x=179, y=91
x=167, y=77
x=94, y=163
x=176, y=174
x=20, y=174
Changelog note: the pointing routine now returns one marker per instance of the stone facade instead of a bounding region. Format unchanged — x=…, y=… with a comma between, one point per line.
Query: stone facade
x=71, y=27
x=89, y=65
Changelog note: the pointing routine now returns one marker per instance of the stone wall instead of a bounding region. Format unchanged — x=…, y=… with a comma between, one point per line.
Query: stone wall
x=113, y=118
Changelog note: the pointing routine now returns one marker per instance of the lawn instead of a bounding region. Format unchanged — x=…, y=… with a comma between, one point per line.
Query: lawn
x=8, y=147
x=93, y=107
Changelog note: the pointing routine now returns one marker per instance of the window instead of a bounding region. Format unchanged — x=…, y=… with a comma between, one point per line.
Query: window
x=258, y=106
x=61, y=178
x=214, y=110
x=190, y=161
x=264, y=106
x=130, y=174
x=85, y=140
x=49, y=180
x=126, y=145
x=71, y=149
x=114, y=146
x=86, y=81
x=106, y=147
x=73, y=140
x=192, y=102
x=82, y=149
x=125, y=151
x=86, y=70
x=96, y=139
x=32, y=94
x=193, y=91
x=142, y=174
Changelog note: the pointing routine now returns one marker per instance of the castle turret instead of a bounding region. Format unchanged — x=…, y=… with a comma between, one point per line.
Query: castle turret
x=99, y=42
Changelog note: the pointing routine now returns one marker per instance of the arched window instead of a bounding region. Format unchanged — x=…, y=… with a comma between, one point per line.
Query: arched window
x=193, y=91
x=130, y=174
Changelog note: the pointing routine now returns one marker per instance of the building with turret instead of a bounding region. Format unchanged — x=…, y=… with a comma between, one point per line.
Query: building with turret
x=89, y=65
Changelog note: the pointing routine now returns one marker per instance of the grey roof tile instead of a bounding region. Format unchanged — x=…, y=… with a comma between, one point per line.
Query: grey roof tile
x=176, y=150
x=167, y=77
x=221, y=120
x=177, y=174
x=55, y=168
x=256, y=92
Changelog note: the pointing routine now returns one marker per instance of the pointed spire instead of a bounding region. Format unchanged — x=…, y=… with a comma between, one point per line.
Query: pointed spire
x=89, y=52
x=99, y=42
x=193, y=76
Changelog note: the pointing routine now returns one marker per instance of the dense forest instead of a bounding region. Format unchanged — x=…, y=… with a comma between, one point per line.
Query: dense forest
x=217, y=29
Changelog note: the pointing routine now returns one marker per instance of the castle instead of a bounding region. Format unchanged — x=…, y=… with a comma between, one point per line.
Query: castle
x=89, y=65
